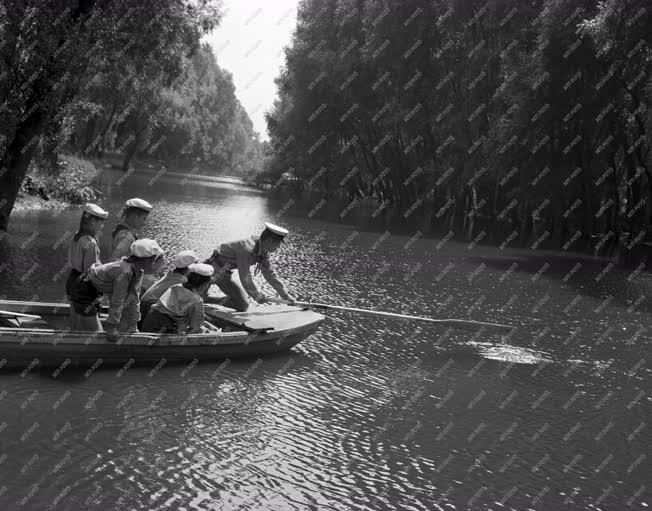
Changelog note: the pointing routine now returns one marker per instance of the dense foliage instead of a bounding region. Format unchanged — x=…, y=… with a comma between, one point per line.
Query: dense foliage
x=70, y=184
x=515, y=119
x=195, y=118
x=122, y=78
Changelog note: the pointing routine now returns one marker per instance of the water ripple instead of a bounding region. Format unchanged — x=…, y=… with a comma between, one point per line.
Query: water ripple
x=370, y=412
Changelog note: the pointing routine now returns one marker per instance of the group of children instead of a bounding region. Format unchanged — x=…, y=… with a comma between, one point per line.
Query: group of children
x=171, y=304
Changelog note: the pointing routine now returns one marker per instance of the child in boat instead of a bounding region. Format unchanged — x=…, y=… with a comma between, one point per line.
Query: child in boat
x=241, y=255
x=120, y=281
x=180, y=310
x=83, y=253
x=134, y=215
x=181, y=261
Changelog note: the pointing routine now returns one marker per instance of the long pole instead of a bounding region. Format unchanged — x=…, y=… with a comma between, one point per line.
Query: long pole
x=454, y=323
x=18, y=315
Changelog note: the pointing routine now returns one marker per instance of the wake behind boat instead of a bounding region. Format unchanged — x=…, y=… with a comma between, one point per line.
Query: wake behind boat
x=37, y=334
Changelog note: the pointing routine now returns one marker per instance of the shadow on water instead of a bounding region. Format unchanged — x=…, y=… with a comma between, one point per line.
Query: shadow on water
x=78, y=374
x=598, y=279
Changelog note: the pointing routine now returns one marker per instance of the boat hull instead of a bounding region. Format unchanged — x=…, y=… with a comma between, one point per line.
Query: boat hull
x=33, y=355
x=31, y=348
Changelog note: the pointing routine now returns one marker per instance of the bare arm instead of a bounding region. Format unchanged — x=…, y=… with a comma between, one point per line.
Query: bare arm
x=131, y=308
x=117, y=301
x=196, y=319
x=244, y=272
x=272, y=278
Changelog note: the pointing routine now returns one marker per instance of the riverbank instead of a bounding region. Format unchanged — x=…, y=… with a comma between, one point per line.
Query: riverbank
x=73, y=182
x=70, y=184
x=426, y=220
x=185, y=165
x=33, y=203
x=363, y=214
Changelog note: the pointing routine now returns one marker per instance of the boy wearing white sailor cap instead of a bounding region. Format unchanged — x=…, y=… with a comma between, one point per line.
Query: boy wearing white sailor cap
x=120, y=281
x=134, y=215
x=181, y=261
x=180, y=310
x=241, y=255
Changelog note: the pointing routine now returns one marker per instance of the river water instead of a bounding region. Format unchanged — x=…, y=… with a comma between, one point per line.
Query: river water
x=369, y=413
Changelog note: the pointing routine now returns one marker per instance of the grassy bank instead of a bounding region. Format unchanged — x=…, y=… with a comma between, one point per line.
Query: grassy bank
x=70, y=184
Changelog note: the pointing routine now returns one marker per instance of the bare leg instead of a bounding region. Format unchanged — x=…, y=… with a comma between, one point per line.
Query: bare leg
x=237, y=296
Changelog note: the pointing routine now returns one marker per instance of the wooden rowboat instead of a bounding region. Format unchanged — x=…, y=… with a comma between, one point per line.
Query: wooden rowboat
x=36, y=334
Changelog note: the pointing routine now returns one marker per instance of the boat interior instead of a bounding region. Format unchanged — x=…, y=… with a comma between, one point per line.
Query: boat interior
x=55, y=316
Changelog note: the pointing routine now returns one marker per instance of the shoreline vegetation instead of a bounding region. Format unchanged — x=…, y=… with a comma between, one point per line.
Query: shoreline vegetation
x=112, y=81
x=492, y=120
x=70, y=184
x=73, y=185
x=484, y=122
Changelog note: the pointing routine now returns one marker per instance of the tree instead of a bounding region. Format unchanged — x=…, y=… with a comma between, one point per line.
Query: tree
x=49, y=44
x=497, y=116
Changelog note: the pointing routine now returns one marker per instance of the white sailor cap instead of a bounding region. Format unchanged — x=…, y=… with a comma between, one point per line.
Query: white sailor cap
x=95, y=210
x=140, y=204
x=201, y=269
x=279, y=231
x=145, y=248
x=184, y=258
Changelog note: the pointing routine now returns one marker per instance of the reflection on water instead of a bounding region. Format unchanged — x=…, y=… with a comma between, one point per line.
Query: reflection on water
x=507, y=353
x=369, y=413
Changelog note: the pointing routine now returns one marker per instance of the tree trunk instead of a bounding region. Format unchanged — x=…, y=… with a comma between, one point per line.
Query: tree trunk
x=101, y=146
x=129, y=153
x=89, y=133
x=587, y=193
x=50, y=145
x=636, y=223
x=140, y=135
x=526, y=223
x=15, y=163
x=469, y=212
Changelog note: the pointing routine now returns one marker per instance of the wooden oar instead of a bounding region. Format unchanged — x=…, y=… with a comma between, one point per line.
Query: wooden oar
x=464, y=324
x=13, y=314
x=210, y=326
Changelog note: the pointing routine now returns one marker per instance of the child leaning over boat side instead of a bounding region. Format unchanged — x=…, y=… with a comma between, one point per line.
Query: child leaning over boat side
x=181, y=261
x=180, y=310
x=83, y=253
x=242, y=255
x=120, y=280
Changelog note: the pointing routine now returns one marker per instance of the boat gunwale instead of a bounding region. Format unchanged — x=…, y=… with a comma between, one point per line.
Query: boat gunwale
x=14, y=336
x=62, y=337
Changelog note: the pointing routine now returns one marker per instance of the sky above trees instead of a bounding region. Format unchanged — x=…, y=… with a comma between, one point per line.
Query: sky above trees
x=249, y=43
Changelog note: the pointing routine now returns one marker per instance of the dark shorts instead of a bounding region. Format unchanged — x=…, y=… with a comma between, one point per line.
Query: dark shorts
x=237, y=296
x=159, y=323
x=144, y=311
x=82, y=293
x=72, y=276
